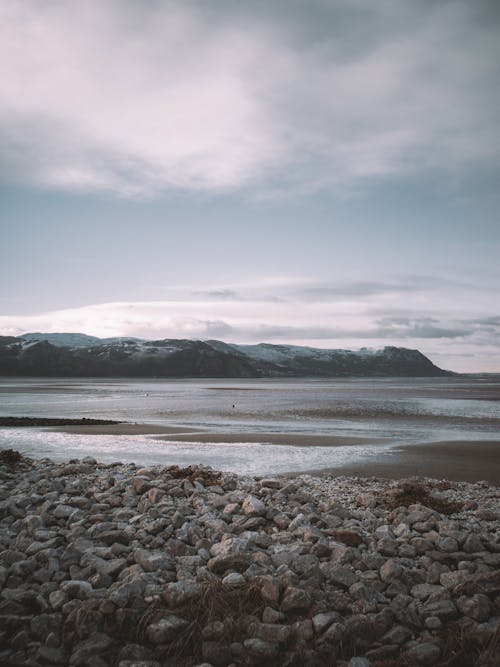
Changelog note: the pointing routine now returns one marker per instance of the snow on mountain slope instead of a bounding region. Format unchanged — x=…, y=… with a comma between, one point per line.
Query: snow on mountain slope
x=80, y=355
x=63, y=339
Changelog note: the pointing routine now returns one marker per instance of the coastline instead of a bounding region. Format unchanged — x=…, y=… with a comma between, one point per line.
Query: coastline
x=468, y=461
x=458, y=460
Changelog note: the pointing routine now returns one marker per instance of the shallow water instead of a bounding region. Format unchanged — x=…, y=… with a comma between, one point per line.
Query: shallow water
x=398, y=411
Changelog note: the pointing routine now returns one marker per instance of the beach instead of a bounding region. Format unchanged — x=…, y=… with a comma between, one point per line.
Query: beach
x=457, y=460
x=163, y=566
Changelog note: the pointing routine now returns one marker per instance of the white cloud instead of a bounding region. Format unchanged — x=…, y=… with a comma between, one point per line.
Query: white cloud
x=138, y=98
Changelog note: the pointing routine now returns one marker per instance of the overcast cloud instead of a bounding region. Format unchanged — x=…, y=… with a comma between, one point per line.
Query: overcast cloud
x=136, y=98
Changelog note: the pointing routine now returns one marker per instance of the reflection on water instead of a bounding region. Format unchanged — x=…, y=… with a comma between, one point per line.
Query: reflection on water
x=403, y=411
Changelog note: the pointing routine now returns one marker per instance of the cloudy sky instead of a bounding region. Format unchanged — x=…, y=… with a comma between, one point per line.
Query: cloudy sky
x=320, y=172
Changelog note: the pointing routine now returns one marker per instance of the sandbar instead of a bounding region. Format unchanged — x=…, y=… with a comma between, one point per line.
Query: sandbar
x=125, y=428
x=291, y=439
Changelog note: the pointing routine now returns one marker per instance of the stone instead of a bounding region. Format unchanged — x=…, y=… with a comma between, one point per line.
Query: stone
x=252, y=506
x=477, y=607
x=323, y=620
x=391, y=570
x=271, y=483
x=134, y=653
x=334, y=633
x=152, y=561
x=51, y=655
x=114, y=536
x=398, y=634
x=76, y=589
x=231, y=562
x=166, y=629
x=295, y=599
x=86, y=650
x=338, y=574
x=214, y=630
x=234, y=580
x=261, y=649
x=359, y=662
x=271, y=632
x=216, y=653
x=425, y=653
x=177, y=593
x=445, y=610
x=451, y=580
x=422, y=591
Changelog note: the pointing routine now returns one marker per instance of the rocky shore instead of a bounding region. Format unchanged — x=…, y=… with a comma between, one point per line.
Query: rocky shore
x=123, y=566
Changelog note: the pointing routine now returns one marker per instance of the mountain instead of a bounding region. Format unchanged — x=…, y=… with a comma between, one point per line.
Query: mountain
x=79, y=355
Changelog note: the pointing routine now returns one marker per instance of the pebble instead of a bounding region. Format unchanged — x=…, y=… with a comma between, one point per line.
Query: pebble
x=270, y=571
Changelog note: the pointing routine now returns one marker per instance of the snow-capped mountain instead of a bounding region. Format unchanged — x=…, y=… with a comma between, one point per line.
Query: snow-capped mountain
x=79, y=355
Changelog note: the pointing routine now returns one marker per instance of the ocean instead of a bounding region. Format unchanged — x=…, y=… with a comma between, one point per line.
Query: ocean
x=373, y=414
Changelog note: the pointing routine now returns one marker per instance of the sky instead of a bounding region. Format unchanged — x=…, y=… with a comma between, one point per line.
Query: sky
x=320, y=172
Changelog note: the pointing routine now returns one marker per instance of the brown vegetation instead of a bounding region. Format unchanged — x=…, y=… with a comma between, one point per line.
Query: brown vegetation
x=410, y=492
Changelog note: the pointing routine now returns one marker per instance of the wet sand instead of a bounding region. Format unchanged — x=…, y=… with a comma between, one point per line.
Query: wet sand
x=468, y=461
x=126, y=429
x=460, y=460
x=290, y=439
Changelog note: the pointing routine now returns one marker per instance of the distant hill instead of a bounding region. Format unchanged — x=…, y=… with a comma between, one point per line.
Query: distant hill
x=79, y=355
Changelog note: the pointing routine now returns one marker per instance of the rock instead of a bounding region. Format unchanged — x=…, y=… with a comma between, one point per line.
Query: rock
x=488, y=583
x=139, y=663
x=422, y=591
x=451, y=580
x=322, y=621
x=112, y=536
x=76, y=589
x=425, y=653
x=234, y=580
x=232, y=562
x=261, y=649
x=166, y=629
x=334, y=633
x=81, y=549
x=177, y=593
x=477, y=607
x=214, y=630
x=391, y=570
x=359, y=662
x=252, y=506
x=86, y=650
x=295, y=599
x=445, y=610
x=51, y=655
x=338, y=574
x=152, y=561
x=269, y=590
x=216, y=653
x=134, y=653
x=271, y=483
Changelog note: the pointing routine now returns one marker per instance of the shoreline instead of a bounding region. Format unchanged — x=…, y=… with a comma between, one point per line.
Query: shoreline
x=467, y=461
x=458, y=460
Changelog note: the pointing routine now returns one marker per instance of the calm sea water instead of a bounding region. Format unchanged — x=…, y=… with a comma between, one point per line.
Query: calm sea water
x=388, y=412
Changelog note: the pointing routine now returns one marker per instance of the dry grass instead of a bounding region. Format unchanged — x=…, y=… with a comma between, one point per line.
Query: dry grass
x=193, y=474
x=411, y=493
x=14, y=460
x=215, y=602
